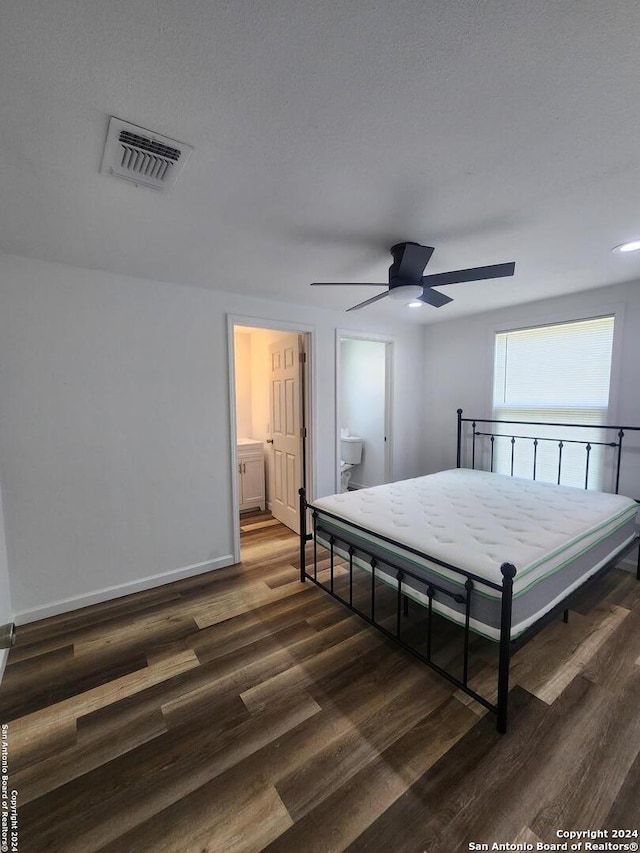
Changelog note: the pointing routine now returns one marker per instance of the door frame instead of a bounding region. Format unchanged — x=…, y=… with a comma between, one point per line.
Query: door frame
x=308, y=391
x=389, y=341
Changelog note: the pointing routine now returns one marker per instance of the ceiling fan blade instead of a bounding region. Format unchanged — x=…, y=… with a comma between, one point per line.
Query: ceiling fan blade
x=432, y=297
x=368, y=301
x=474, y=274
x=348, y=284
x=410, y=259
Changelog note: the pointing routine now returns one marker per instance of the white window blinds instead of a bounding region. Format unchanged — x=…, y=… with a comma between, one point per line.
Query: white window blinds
x=557, y=373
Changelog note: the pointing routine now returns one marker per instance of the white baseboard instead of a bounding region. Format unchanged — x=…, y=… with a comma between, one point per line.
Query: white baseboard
x=4, y=654
x=65, y=605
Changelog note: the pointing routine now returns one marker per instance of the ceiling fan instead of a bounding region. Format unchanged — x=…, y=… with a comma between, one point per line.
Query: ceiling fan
x=407, y=282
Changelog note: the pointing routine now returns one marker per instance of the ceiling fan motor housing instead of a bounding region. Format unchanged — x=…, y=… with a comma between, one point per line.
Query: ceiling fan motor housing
x=397, y=253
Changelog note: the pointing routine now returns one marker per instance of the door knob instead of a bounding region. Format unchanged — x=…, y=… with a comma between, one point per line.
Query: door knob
x=269, y=441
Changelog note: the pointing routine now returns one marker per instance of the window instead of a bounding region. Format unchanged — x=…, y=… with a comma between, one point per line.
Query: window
x=557, y=373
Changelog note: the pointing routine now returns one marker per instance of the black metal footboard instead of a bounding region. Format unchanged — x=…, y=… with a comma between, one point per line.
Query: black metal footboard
x=346, y=550
x=349, y=549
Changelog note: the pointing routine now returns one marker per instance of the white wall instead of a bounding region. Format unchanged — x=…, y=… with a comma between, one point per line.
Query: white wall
x=253, y=403
x=244, y=408
x=6, y=611
x=458, y=367
x=115, y=430
x=362, y=405
x=261, y=339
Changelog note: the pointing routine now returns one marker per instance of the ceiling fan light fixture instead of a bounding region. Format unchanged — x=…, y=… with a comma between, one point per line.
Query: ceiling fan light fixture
x=408, y=285
x=631, y=246
x=406, y=292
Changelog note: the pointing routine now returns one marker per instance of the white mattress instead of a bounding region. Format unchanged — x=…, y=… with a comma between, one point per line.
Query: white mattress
x=477, y=521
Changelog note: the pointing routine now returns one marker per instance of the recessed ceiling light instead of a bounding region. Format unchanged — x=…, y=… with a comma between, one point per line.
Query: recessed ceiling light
x=414, y=304
x=632, y=246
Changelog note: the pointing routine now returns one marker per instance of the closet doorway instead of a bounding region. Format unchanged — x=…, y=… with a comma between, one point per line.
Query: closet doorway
x=364, y=371
x=270, y=425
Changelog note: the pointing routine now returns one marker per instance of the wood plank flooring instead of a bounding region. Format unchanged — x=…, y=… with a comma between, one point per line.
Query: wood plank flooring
x=244, y=711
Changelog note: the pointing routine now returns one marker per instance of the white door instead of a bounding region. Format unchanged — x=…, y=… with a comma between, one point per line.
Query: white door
x=285, y=400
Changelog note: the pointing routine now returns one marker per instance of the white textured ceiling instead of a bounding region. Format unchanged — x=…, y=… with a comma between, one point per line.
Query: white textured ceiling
x=325, y=131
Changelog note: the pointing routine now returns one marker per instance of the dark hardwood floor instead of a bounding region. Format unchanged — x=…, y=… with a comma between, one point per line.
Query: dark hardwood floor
x=244, y=711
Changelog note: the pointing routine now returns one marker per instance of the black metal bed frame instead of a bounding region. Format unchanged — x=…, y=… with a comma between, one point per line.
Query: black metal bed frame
x=377, y=558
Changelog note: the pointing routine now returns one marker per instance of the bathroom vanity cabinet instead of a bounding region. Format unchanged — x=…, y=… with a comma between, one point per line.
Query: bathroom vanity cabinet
x=250, y=473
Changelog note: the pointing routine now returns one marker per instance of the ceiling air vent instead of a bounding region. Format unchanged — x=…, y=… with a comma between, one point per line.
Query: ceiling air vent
x=141, y=156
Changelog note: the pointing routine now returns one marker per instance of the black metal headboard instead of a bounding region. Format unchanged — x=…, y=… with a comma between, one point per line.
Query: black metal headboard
x=492, y=434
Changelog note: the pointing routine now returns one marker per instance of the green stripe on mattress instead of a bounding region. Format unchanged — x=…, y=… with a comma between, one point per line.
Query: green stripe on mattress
x=486, y=592
x=627, y=511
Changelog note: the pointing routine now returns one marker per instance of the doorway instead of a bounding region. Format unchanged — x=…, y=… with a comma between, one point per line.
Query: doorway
x=363, y=410
x=270, y=395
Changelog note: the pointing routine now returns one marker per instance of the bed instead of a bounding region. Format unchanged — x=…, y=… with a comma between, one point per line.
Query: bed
x=496, y=555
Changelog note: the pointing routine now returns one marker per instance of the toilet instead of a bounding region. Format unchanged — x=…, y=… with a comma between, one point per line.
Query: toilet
x=350, y=455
